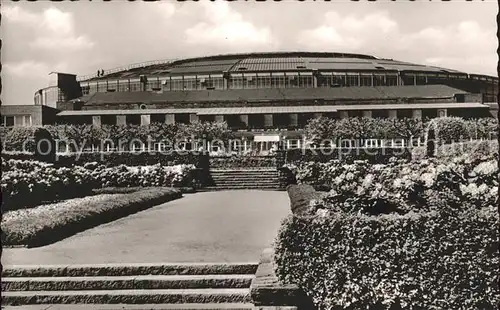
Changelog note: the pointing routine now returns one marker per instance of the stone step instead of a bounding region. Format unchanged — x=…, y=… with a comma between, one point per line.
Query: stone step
x=244, y=171
x=125, y=282
x=128, y=269
x=246, y=182
x=208, y=306
x=260, y=173
x=160, y=296
x=224, y=188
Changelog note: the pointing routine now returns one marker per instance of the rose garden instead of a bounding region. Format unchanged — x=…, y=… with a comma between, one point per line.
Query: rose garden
x=378, y=225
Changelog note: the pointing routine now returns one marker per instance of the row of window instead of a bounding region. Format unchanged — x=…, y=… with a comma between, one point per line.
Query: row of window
x=16, y=120
x=259, y=80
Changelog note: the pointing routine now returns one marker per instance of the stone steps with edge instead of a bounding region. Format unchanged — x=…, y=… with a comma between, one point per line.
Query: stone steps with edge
x=208, y=306
x=82, y=270
x=126, y=282
x=158, y=296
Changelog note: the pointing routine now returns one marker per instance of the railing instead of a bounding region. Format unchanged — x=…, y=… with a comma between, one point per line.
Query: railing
x=126, y=68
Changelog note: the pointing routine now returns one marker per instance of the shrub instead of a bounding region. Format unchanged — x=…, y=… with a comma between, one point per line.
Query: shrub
x=450, y=129
x=19, y=139
x=373, y=155
x=157, y=175
x=29, y=183
x=112, y=159
x=236, y=161
x=401, y=185
x=413, y=261
x=49, y=223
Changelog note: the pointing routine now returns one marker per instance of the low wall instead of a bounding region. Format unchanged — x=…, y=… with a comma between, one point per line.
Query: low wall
x=267, y=290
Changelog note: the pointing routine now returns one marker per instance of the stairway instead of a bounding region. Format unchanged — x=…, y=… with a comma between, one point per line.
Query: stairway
x=131, y=286
x=265, y=179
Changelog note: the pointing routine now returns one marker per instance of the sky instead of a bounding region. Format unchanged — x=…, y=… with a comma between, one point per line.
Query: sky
x=81, y=37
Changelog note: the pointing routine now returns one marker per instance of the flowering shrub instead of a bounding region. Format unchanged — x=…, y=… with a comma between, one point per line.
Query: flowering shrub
x=402, y=185
x=425, y=260
x=29, y=183
x=157, y=175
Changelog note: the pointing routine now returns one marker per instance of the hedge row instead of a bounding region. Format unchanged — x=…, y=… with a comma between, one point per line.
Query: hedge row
x=446, y=128
x=82, y=136
x=411, y=261
x=50, y=223
x=235, y=161
x=30, y=183
x=372, y=155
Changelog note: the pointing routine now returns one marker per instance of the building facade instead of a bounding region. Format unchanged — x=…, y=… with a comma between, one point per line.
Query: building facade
x=266, y=91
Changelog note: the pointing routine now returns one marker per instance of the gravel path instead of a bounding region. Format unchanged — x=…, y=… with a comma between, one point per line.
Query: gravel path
x=226, y=226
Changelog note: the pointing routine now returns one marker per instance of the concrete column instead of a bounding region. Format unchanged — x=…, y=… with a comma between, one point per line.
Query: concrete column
x=145, y=119
x=442, y=112
x=393, y=113
x=367, y=113
x=417, y=114
x=170, y=118
x=219, y=118
x=244, y=119
x=294, y=119
x=193, y=118
x=121, y=120
x=268, y=120
x=226, y=82
x=96, y=120
x=344, y=114
x=318, y=115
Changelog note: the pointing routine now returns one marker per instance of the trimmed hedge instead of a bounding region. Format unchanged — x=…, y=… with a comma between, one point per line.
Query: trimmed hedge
x=372, y=155
x=50, y=223
x=112, y=159
x=236, y=161
x=474, y=149
x=412, y=261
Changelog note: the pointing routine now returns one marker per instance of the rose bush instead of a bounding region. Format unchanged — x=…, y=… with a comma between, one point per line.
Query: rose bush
x=402, y=185
x=27, y=183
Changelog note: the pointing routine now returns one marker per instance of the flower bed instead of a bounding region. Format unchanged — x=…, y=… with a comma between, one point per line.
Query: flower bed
x=157, y=175
x=407, y=185
x=373, y=155
x=247, y=162
x=49, y=223
x=30, y=183
x=404, y=235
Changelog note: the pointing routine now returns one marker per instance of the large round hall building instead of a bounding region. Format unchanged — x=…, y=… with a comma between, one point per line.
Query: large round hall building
x=258, y=91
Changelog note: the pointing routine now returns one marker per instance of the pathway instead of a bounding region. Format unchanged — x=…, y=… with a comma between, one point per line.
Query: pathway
x=227, y=226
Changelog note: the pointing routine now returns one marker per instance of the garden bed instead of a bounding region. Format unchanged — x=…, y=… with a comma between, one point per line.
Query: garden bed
x=402, y=235
x=53, y=222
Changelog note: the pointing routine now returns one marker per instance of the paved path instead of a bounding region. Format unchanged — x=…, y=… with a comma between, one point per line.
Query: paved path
x=228, y=226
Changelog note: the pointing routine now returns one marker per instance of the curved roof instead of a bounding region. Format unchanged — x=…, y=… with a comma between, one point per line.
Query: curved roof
x=265, y=62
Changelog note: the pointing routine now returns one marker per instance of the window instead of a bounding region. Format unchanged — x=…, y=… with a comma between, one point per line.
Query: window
x=366, y=80
x=158, y=118
x=123, y=86
x=27, y=120
x=135, y=86
x=305, y=81
x=391, y=80
x=8, y=121
x=378, y=80
x=352, y=79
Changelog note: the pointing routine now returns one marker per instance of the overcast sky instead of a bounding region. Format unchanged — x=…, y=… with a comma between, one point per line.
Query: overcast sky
x=80, y=37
